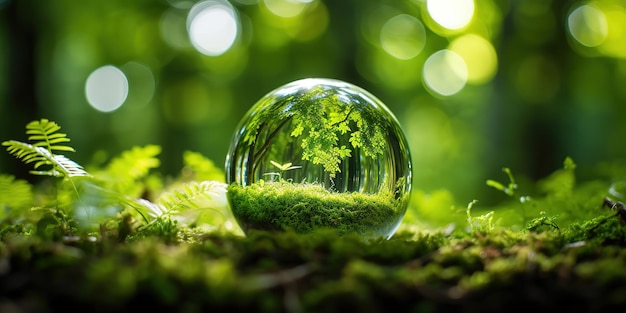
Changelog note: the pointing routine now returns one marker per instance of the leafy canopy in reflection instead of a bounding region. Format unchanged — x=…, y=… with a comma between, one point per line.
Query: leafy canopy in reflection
x=321, y=116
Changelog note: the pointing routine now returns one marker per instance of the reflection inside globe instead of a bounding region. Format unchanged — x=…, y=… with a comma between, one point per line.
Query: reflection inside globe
x=319, y=153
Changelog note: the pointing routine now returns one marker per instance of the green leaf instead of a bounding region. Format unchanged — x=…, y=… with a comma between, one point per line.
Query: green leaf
x=495, y=184
x=201, y=167
x=278, y=165
x=187, y=201
x=135, y=163
x=58, y=140
x=43, y=133
x=568, y=164
x=343, y=128
x=15, y=194
x=297, y=131
x=508, y=189
x=62, y=148
x=61, y=165
x=128, y=172
x=284, y=167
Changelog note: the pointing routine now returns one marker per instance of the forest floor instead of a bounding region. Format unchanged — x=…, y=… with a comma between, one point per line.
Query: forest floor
x=580, y=268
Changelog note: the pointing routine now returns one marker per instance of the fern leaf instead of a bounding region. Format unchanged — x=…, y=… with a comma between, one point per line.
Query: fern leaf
x=61, y=166
x=69, y=167
x=146, y=208
x=189, y=201
x=135, y=163
x=14, y=194
x=43, y=133
x=128, y=172
x=206, y=194
x=201, y=167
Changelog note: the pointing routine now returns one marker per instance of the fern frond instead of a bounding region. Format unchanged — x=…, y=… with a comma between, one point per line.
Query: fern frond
x=61, y=166
x=135, y=163
x=149, y=211
x=201, y=167
x=205, y=194
x=14, y=193
x=43, y=133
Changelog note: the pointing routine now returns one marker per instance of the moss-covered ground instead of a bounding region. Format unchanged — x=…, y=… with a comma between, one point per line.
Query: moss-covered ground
x=123, y=240
x=579, y=268
x=305, y=207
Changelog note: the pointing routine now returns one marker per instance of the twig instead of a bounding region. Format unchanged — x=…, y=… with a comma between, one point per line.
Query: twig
x=619, y=207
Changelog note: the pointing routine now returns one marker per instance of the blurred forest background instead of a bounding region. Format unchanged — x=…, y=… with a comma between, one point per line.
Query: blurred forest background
x=477, y=85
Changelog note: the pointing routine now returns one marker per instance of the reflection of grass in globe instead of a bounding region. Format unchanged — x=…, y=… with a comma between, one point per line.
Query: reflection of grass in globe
x=307, y=207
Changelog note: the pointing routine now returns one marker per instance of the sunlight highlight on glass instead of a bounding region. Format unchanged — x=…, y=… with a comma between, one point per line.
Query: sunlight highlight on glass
x=403, y=37
x=213, y=27
x=445, y=73
x=106, y=88
x=479, y=55
x=287, y=8
x=588, y=25
x=451, y=14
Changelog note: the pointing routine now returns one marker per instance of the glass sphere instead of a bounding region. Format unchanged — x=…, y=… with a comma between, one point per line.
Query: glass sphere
x=319, y=153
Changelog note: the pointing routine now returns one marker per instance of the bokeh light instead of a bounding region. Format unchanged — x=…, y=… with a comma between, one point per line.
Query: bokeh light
x=308, y=25
x=287, y=8
x=451, y=14
x=106, y=88
x=403, y=37
x=180, y=4
x=614, y=45
x=445, y=73
x=141, y=84
x=391, y=72
x=588, y=25
x=479, y=55
x=247, y=2
x=213, y=27
x=172, y=28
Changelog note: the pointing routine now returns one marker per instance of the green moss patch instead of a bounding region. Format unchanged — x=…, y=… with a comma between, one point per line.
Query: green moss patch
x=319, y=272
x=307, y=207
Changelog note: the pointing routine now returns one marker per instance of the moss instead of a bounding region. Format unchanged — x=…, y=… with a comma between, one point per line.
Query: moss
x=319, y=271
x=307, y=207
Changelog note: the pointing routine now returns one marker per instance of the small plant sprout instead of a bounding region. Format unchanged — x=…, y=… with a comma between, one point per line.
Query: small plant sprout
x=282, y=168
x=542, y=220
x=508, y=189
x=285, y=167
x=483, y=223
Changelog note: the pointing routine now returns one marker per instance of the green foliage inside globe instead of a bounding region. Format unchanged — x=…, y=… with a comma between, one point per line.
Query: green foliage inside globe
x=319, y=153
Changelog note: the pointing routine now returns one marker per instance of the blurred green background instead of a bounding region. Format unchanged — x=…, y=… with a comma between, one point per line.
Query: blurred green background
x=476, y=85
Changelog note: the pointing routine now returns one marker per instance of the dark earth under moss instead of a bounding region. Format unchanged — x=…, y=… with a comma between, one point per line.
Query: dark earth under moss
x=580, y=268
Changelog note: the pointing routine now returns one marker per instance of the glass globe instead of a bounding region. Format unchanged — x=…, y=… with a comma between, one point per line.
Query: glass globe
x=319, y=153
